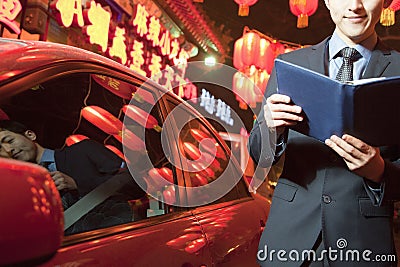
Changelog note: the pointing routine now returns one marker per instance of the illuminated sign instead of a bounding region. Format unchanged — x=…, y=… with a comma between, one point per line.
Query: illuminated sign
x=70, y=12
x=216, y=107
x=99, y=19
x=9, y=10
x=95, y=22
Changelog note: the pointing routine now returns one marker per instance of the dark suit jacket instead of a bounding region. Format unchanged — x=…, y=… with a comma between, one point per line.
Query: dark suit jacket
x=90, y=164
x=316, y=191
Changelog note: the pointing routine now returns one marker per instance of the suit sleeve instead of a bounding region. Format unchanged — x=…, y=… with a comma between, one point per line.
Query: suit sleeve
x=104, y=159
x=391, y=180
x=263, y=146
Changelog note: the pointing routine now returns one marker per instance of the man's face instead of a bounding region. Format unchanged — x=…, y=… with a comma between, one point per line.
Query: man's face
x=355, y=19
x=17, y=146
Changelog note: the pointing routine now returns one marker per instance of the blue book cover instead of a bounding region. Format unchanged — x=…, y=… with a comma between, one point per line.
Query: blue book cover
x=368, y=109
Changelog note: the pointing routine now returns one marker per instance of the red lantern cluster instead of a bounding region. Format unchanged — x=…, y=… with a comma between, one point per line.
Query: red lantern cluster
x=303, y=9
x=387, y=16
x=253, y=56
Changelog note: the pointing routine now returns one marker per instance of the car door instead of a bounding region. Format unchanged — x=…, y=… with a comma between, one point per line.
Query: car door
x=231, y=217
x=158, y=234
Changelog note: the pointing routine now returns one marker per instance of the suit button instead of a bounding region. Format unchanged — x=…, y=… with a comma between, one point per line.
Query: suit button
x=326, y=199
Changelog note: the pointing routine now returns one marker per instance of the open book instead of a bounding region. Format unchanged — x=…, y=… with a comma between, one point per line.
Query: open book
x=367, y=109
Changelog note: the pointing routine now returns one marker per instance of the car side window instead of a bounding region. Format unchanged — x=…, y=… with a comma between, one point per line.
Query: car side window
x=206, y=158
x=118, y=127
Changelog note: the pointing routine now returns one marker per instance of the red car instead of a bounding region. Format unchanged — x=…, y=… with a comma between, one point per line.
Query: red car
x=185, y=218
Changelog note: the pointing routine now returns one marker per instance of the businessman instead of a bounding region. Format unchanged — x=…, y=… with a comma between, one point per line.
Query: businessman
x=333, y=204
x=76, y=171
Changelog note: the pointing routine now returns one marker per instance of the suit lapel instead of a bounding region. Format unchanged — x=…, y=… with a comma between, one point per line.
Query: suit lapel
x=317, y=60
x=380, y=59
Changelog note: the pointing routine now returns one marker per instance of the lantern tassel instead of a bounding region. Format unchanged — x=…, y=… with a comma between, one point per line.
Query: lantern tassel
x=387, y=17
x=243, y=10
x=302, y=21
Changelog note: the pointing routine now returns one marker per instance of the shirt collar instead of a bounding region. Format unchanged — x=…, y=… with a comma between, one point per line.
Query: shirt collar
x=47, y=156
x=364, y=48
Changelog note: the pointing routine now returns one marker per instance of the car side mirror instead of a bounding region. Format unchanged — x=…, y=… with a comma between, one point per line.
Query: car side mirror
x=31, y=227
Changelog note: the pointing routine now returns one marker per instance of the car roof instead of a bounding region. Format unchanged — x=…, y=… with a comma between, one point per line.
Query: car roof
x=20, y=56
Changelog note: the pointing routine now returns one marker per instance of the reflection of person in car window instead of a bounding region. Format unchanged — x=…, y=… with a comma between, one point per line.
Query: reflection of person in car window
x=76, y=170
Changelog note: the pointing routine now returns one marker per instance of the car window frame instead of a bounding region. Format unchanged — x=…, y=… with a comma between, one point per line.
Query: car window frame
x=26, y=80
x=226, y=149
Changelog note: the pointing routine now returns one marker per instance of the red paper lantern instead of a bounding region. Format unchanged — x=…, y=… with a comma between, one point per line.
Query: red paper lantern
x=262, y=58
x=198, y=134
x=75, y=138
x=191, y=151
x=387, y=16
x=243, y=87
x=303, y=9
x=274, y=49
x=160, y=177
x=169, y=195
x=244, y=6
x=143, y=95
x=237, y=54
x=102, y=119
x=117, y=87
x=142, y=117
x=130, y=140
x=251, y=48
x=213, y=148
x=198, y=180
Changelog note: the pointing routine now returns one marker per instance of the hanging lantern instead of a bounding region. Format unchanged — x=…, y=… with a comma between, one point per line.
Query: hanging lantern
x=208, y=160
x=169, y=195
x=303, y=9
x=102, y=119
x=388, y=14
x=244, y=6
x=198, y=134
x=160, y=177
x=141, y=117
x=191, y=151
x=261, y=82
x=250, y=49
x=243, y=88
x=75, y=138
x=142, y=95
x=274, y=49
x=213, y=148
x=198, y=180
x=237, y=54
x=117, y=87
x=130, y=140
x=262, y=59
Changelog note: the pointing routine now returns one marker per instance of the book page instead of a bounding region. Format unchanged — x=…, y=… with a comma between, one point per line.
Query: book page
x=364, y=81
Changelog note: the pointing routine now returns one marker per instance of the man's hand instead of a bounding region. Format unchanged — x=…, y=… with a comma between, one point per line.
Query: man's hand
x=63, y=181
x=279, y=112
x=362, y=159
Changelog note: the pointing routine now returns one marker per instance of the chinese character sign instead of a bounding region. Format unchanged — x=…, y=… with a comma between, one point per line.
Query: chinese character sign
x=9, y=9
x=70, y=12
x=100, y=21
